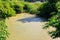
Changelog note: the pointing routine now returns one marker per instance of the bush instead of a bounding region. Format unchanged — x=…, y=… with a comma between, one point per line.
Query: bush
x=34, y=11
x=3, y=30
x=6, y=10
x=27, y=7
x=46, y=9
x=54, y=21
x=31, y=7
x=18, y=7
x=35, y=7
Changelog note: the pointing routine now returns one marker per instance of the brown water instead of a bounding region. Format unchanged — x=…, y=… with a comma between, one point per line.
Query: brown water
x=27, y=27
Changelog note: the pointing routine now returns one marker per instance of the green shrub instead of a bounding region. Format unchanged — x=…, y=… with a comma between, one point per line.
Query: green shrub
x=54, y=21
x=31, y=7
x=34, y=9
x=6, y=10
x=58, y=6
x=3, y=30
x=27, y=7
x=18, y=7
x=46, y=9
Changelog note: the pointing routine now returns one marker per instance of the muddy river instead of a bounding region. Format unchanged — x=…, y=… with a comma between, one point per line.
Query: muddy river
x=27, y=27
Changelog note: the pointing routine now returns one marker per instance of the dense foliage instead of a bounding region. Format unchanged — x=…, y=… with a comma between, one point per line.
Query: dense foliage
x=46, y=9
x=6, y=10
x=54, y=20
x=31, y=7
x=3, y=30
x=18, y=7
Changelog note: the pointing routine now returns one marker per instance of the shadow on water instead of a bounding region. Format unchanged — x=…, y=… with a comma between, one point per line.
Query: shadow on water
x=32, y=19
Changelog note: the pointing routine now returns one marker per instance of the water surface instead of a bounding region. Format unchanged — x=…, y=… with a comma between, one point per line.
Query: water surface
x=27, y=27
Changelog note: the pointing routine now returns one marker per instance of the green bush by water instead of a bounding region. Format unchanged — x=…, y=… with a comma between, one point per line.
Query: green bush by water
x=27, y=7
x=18, y=6
x=46, y=9
x=54, y=21
x=6, y=10
x=3, y=30
x=32, y=7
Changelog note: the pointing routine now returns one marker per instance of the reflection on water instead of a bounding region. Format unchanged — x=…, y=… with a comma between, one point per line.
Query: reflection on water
x=32, y=19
